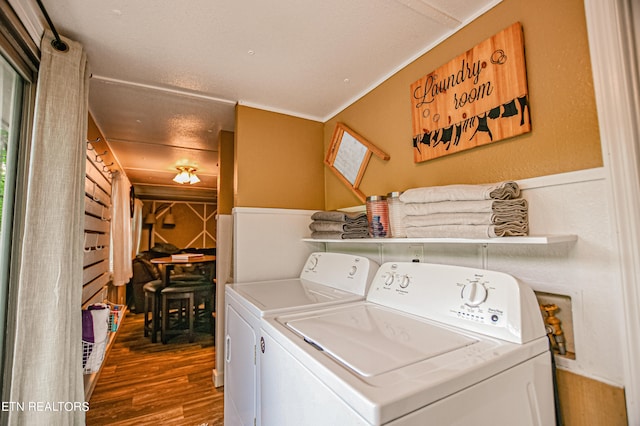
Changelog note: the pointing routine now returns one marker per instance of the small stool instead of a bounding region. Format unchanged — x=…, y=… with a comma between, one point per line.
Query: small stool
x=152, y=305
x=206, y=292
x=182, y=294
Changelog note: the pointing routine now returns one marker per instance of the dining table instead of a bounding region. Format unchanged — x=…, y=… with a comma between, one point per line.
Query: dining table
x=169, y=263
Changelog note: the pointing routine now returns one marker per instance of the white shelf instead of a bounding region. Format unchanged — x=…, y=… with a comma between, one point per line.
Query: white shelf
x=531, y=240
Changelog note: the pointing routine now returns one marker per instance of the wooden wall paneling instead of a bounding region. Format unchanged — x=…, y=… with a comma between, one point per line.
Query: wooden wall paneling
x=96, y=276
x=97, y=226
x=96, y=256
x=95, y=208
x=93, y=256
x=96, y=173
x=97, y=193
x=91, y=289
x=91, y=273
x=99, y=297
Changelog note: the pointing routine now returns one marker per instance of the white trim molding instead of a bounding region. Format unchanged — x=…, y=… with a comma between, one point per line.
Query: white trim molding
x=614, y=63
x=31, y=18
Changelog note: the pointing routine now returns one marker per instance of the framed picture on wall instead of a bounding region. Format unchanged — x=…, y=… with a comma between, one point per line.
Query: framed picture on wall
x=348, y=156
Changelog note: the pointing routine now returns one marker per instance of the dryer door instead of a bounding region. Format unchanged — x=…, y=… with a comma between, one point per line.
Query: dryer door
x=240, y=371
x=293, y=396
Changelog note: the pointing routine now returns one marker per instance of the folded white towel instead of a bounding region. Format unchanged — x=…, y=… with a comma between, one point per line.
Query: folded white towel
x=463, y=219
x=477, y=206
x=496, y=191
x=468, y=231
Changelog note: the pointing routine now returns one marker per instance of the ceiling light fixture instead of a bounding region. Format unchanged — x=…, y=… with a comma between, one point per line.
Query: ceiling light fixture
x=186, y=175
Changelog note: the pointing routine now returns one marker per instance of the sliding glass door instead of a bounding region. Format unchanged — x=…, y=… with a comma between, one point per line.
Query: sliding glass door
x=18, y=71
x=11, y=90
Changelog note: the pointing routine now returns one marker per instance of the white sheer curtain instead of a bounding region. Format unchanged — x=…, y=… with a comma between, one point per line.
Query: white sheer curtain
x=136, y=227
x=44, y=343
x=121, y=238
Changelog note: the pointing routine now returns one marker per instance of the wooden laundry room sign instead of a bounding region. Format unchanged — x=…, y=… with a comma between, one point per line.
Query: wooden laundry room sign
x=478, y=98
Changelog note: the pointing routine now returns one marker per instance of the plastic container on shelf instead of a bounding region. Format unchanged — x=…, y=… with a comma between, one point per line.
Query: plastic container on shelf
x=378, y=216
x=396, y=215
x=115, y=316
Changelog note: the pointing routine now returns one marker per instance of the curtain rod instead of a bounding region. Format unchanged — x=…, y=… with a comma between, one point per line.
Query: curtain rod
x=57, y=44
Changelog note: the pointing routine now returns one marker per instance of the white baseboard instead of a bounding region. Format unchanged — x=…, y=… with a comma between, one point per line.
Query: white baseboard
x=218, y=378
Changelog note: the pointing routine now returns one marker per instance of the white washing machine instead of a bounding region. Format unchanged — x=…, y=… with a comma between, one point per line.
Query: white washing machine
x=326, y=279
x=430, y=345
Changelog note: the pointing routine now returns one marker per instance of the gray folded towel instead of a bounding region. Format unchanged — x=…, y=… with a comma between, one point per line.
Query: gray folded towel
x=337, y=225
x=338, y=235
x=328, y=226
x=474, y=206
x=336, y=216
x=496, y=191
x=469, y=231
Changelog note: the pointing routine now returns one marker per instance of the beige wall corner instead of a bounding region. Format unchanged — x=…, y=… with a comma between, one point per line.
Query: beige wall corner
x=279, y=160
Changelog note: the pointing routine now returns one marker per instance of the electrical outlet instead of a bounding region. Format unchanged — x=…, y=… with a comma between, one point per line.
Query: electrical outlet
x=416, y=253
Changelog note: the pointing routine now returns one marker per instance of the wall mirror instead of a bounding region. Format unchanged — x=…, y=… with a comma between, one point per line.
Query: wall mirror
x=348, y=156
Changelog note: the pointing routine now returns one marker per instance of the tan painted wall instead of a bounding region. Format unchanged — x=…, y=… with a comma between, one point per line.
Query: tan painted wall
x=225, y=175
x=278, y=160
x=564, y=134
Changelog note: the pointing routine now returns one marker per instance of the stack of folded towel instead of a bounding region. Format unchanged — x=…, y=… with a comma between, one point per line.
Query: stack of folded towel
x=338, y=225
x=465, y=211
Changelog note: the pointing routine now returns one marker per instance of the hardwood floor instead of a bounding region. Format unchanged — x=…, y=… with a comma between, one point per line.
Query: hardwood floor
x=144, y=383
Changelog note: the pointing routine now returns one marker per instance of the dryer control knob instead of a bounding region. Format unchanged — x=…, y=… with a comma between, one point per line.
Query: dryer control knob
x=387, y=278
x=353, y=270
x=312, y=263
x=404, y=281
x=474, y=294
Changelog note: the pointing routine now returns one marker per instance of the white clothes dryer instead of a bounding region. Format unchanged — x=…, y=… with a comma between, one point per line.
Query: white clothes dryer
x=430, y=345
x=326, y=279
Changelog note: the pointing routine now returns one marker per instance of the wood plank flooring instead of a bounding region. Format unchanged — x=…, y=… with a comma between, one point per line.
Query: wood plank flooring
x=144, y=383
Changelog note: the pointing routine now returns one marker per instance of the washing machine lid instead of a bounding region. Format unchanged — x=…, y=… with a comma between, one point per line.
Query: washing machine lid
x=372, y=340
x=283, y=294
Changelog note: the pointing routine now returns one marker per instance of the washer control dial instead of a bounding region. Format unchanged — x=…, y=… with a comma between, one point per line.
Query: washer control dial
x=474, y=293
x=404, y=281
